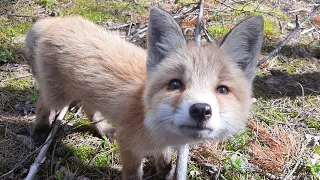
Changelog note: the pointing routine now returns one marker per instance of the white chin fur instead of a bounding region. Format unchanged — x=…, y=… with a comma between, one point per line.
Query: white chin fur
x=178, y=124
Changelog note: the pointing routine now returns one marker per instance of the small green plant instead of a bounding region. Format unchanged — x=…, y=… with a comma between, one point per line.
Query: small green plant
x=84, y=152
x=58, y=175
x=32, y=98
x=313, y=167
x=215, y=31
x=239, y=141
x=47, y=3
x=194, y=172
x=236, y=163
x=106, y=142
x=83, y=122
x=6, y=56
x=316, y=150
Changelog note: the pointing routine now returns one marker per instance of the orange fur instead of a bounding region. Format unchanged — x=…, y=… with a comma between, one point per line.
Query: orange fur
x=73, y=59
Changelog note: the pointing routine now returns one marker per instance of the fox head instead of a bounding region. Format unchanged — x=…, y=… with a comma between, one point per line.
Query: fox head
x=194, y=93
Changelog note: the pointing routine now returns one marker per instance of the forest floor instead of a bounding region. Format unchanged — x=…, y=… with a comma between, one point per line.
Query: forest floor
x=282, y=137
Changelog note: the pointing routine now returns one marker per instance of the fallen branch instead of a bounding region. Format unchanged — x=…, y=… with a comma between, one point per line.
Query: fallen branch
x=130, y=38
x=26, y=16
x=182, y=162
x=292, y=171
x=187, y=12
x=207, y=35
x=290, y=36
x=243, y=10
x=41, y=156
x=197, y=33
x=120, y=26
x=183, y=151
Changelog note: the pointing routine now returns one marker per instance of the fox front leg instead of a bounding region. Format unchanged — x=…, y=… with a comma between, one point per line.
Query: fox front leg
x=182, y=162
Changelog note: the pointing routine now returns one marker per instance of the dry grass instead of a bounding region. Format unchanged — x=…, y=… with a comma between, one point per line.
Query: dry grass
x=275, y=147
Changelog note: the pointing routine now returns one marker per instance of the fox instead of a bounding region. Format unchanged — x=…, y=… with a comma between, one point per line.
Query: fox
x=152, y=101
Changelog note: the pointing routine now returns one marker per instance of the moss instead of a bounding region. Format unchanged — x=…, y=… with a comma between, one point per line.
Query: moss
x=316, y=150
x=239, y=142
x=47, y=3
x=99, y=11
x=183, y=2
x=270, y=27
x=90, y=10
x=218, y=31
x=14, y=29
x=291, y=70
x=103, y=159
x=313, y=124
x=9, y=49
x=84, y=152
x=83, y=122
x=6, y=55
x=19, y=84
x=266, y=10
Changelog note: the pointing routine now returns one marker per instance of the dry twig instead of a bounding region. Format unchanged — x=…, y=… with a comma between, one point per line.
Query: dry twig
x=130, y=38
x=197, y=33
x=41, y=156
x=243, y=10
x=293, y=32
x=26, y=16
x=183, y=152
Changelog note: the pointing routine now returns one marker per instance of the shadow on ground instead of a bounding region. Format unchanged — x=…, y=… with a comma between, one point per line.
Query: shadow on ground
x=15, y=147
x=282, y=84
x=296, y=50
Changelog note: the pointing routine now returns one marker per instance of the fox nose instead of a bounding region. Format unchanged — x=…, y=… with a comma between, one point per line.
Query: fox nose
x=200, y=111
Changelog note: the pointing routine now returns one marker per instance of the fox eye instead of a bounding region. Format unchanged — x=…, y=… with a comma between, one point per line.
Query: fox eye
x=175, y=84
x=223, y=89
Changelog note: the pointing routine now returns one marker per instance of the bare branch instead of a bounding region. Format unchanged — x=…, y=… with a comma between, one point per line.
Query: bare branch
x=243, y=10
x=130, y=38
x=41, y=156
x=290, y=36
x=120, y=26
x=197, y=33
x=182, y=162
x=21, y=15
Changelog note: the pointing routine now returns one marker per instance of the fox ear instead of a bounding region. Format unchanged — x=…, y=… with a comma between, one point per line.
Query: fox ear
x=243, y=43
x=164, y=36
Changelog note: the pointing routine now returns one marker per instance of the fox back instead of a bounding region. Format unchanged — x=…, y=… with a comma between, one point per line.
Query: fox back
x=74, y=59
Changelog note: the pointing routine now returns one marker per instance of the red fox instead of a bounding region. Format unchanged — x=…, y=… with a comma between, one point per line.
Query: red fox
x=174, y=93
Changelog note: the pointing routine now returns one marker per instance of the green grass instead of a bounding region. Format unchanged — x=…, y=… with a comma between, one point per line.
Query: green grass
x=218, y=31
x=84, y=122
x=239, y=142
x=84, y=152
x=271, y=29
x=99, y=11
x=48, y=3
x=276, y=103
x=19, y=84
x=316, y=149
x=6, y=55
x=10, y=49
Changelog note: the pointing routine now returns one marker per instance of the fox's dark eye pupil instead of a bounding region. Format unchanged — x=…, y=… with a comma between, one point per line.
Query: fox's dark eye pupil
x=175, y=84
x=223, y=89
